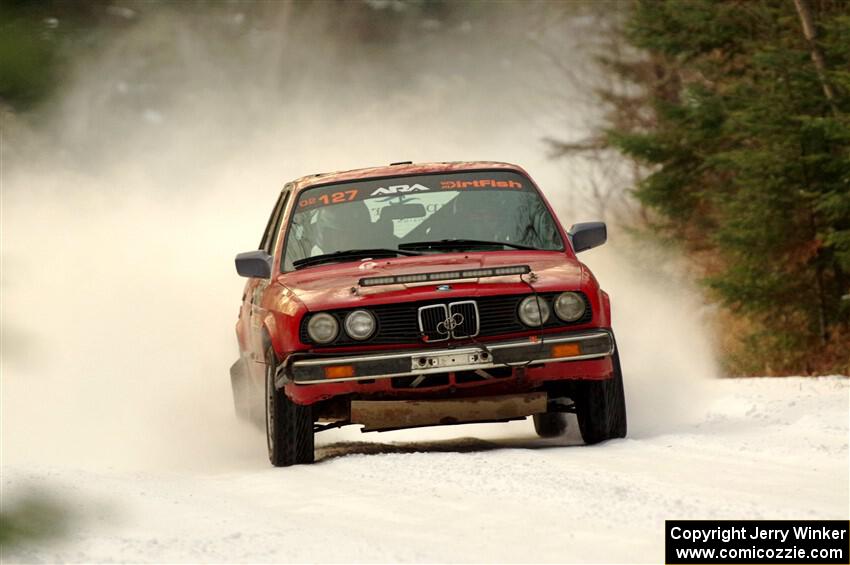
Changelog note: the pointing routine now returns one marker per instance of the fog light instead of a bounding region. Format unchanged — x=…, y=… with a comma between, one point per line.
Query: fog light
x=566, y=350
x=339, y=371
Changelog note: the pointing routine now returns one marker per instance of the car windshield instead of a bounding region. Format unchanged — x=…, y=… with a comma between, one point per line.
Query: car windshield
x=466, y=210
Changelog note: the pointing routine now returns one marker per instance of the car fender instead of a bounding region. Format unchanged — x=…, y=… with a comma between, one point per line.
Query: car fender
x=282, y=320
x=591, y=287
x=606, y=306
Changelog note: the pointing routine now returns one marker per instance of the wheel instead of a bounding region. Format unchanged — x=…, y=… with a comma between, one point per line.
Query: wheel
x=601, y=407
x=246, y=399
x=550, y=424
x=289, y=426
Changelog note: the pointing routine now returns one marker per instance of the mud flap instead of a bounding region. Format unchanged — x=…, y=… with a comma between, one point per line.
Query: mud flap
x=378, y=415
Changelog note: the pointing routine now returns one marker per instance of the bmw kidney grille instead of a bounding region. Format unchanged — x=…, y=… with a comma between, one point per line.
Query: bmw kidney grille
x=439, y=322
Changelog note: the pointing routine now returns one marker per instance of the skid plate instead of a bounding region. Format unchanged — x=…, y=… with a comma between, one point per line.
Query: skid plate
x=376, y=415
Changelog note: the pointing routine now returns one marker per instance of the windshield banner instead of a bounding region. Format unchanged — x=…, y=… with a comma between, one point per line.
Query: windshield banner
x=402, y=186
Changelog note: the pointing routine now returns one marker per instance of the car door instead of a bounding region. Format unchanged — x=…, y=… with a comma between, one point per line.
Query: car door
x=251, y=313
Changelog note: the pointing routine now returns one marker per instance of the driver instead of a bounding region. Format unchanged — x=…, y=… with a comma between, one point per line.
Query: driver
x=341, y=227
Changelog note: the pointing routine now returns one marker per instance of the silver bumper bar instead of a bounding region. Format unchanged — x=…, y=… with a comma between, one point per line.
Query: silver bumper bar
x=585, y=345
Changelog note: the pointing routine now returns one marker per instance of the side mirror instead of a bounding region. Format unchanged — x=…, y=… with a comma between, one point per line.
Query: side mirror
x=254, y=264
x=588, y=235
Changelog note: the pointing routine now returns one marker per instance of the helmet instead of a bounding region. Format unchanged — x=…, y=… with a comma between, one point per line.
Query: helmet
x=340, y=227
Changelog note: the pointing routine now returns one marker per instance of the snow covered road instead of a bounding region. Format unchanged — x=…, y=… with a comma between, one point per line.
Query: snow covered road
x=761, y=448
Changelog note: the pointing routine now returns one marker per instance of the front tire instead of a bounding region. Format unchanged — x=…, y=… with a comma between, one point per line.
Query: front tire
x=601, y=407
x=550, y=424
x=289, y=426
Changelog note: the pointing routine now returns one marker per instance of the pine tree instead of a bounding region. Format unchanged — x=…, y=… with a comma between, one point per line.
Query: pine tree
x=749, y=148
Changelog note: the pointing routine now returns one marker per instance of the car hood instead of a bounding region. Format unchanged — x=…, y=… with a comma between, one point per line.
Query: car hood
x=337, y=285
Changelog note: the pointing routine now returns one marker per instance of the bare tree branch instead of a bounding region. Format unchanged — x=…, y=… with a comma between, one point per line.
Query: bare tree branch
x=810, y=32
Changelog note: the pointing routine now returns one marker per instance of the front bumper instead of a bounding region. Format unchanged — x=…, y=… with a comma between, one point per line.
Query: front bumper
x=534, y=350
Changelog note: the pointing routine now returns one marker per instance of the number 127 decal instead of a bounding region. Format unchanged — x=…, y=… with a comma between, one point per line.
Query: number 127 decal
x=332, y=198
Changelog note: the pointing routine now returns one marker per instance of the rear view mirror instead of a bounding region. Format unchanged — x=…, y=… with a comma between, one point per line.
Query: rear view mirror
x=254, y=264
x=402, y=211
x=588, y=235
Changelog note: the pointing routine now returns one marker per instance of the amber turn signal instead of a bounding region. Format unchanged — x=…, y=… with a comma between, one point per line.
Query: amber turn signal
x=566, y=350
x=339, y=371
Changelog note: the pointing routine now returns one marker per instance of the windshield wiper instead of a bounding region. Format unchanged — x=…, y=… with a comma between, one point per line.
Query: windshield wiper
x=461, y=244
x=350, y=255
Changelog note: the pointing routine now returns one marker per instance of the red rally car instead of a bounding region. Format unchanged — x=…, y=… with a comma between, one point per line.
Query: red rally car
x=418, y=295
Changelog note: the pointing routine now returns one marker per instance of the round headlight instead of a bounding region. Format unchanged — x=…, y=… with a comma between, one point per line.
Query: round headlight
x=360, y=324
x=322, y=328
x=569, y=306
x=533, y=311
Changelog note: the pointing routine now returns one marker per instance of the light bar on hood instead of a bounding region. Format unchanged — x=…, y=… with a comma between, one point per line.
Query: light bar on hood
x=447, y=275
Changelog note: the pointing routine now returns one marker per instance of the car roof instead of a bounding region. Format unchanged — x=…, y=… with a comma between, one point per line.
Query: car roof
x=400, y=169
